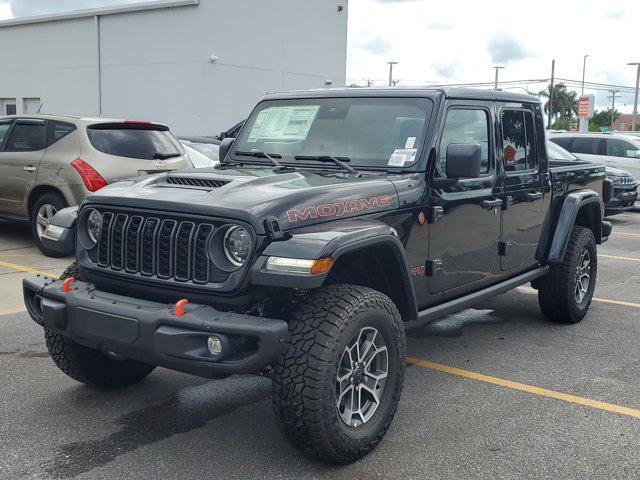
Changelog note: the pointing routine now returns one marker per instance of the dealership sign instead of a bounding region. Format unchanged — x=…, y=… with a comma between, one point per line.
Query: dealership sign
x=585, y=106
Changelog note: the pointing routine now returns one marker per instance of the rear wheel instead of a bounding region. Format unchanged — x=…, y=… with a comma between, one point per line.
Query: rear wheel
x=565, y=293
x=43, y=211
x=337, y=385
x=88, y=365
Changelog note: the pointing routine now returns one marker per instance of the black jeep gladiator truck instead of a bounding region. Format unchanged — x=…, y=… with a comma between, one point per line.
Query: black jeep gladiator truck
x=336, y=220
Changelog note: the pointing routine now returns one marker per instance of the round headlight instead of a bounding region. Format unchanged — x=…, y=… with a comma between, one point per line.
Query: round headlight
x=94, y=224
x=236, y=245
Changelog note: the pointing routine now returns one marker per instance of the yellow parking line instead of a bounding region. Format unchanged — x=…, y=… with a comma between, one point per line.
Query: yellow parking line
x=616, y=302
x=565, y=397
x=22, y=268
x=632, y=259
x=8, y=310
x=625, y=233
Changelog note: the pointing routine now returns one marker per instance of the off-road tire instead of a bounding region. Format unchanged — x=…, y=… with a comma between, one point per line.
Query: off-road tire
x=88, y=365
x=556, y=290
x=304, y=377
x=58, y=202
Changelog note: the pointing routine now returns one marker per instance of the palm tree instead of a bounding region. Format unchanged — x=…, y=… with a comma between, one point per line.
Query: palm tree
x=565, y=103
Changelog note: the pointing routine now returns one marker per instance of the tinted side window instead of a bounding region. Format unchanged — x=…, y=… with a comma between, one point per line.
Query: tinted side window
x=620, y=148
x=564, y=142
x=27, y=137
x=465, y=126
x=585, y=145
x=4, y=129
x=518, y=141
x=57, y=130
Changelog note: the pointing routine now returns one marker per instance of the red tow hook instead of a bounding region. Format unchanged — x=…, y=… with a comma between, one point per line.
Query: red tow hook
x=178, y=309
x=66, y=284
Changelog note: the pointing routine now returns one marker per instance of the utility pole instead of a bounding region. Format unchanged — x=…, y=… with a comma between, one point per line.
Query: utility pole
x=553, y=72
x=584, y=66
x=391, y=64
x=635, y=98
x=613, y=106
x=495, y=83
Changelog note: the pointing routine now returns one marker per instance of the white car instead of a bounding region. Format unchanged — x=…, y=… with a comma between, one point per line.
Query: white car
x=613, y=149
x=202, y=155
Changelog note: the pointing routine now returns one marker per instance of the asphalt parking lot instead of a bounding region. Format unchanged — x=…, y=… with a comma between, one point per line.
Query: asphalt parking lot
x=491, y=392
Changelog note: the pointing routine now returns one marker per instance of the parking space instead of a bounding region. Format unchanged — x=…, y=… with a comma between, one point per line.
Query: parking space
x=495, y=391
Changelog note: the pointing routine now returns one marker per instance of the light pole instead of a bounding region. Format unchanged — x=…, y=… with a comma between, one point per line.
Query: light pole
x=635, y=98
x=391, y=64
x=584, y=66
x=495, y=83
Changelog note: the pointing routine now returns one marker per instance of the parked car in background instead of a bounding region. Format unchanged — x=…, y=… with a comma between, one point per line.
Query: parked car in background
x=202, y=151
x=625, y=184
x=613, y=149
x=49, y=162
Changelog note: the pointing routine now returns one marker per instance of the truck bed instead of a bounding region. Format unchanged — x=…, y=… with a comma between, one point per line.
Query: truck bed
x=575, y=175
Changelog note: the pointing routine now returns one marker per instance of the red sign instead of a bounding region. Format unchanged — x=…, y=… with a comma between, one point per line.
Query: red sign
x=585, y=106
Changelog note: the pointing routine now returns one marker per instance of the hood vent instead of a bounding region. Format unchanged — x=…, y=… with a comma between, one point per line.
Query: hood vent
x=196, y=182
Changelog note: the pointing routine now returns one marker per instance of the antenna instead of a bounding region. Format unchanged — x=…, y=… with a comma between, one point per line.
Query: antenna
x=40, y=107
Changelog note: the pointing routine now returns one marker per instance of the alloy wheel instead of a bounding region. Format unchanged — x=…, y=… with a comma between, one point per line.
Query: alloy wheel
x=43, y=218
x=361, y=377
x=583, y=275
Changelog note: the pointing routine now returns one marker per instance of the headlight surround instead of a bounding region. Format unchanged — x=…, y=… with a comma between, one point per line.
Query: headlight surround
x=94, y=225
x=615, y=179
x=236, y=245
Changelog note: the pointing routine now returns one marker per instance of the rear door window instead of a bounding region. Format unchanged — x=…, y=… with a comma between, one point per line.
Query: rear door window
x=27, y=137
x=621, y=148
x=589, y=146
x=518, y=141
x=57, y=130
x=134, y=141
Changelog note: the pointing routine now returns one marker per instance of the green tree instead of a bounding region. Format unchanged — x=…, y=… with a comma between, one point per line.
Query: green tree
x=565, y=102
x=602, y=119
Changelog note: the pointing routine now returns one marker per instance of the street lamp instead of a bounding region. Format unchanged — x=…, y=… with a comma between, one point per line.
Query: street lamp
x=495, y=83
x=391, y=64
x=635, y=98
x=584, y=65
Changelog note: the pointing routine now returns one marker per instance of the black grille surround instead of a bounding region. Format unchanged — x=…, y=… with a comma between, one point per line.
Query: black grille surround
x=167, y=248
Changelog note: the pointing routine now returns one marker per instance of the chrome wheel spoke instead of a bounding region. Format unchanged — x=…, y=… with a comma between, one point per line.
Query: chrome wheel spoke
x=583, y=276
x=44, y=215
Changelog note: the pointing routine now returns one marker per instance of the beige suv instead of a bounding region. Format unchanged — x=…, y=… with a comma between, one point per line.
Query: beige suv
x=48, y=162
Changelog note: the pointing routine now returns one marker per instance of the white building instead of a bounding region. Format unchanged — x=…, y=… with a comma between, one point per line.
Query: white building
x=197, y=65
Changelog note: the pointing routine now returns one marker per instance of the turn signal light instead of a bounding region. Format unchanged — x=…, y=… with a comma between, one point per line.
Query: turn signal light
x=299, y=265
x=320, y=266
x=91, y=178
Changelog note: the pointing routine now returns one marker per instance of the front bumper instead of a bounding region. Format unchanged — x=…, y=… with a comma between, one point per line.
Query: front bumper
x=150, y=332
x=622, y=201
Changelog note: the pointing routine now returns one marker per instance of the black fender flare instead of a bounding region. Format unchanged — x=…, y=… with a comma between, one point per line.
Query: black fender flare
x=572, y=204
x=66, y=242
x=335, y=240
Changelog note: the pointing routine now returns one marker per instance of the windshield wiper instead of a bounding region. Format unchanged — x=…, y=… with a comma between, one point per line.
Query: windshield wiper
x=339, y=161
x=164, y=156
x=270, y=157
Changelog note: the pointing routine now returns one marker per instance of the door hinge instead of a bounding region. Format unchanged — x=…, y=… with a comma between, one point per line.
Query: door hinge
x=504, y=248
x=433, y=267
x=434, y=214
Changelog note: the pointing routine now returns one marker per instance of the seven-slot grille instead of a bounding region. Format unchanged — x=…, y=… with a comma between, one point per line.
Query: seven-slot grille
x=154, y=246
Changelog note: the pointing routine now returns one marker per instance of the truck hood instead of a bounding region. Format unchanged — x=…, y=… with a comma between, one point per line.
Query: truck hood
x=298, y=198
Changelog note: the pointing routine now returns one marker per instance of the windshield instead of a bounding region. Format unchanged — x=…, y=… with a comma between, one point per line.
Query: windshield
x=375, y=132
x=558, y=153
x=133, y=142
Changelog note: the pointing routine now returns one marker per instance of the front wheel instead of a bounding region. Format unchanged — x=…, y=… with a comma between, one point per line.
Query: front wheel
x=565, y=293
x=43, y=211
x=337, y=385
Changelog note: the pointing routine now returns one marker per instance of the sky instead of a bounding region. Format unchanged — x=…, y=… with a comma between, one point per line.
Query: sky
x=437, y=42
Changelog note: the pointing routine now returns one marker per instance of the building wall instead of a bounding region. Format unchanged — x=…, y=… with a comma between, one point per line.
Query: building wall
x=155, y=64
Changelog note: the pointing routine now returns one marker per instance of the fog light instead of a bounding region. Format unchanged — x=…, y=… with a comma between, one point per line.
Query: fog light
x=214, y=345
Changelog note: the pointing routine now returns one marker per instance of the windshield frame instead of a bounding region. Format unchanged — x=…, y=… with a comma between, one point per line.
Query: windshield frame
x=426, y=103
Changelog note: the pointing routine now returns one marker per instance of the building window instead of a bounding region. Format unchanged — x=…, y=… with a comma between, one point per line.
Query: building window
x=30, y=105
x=8, y=106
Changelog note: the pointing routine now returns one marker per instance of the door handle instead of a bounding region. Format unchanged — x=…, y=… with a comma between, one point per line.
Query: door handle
x=29, y=168
x=489, y=204
x=533, y=196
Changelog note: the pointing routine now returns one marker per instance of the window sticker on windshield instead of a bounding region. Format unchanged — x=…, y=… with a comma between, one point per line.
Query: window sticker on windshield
x=411, y=141
x=400, y=156
x=283, y=123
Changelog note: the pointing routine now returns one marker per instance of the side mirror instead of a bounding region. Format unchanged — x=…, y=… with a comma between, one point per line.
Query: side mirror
x=224, y=148
x=463, y=160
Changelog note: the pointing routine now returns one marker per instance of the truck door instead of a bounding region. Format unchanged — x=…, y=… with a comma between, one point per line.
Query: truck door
x=523, y=196
x=465, y=226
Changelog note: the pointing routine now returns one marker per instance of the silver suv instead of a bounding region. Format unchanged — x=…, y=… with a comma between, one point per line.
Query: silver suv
x=48, y=162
